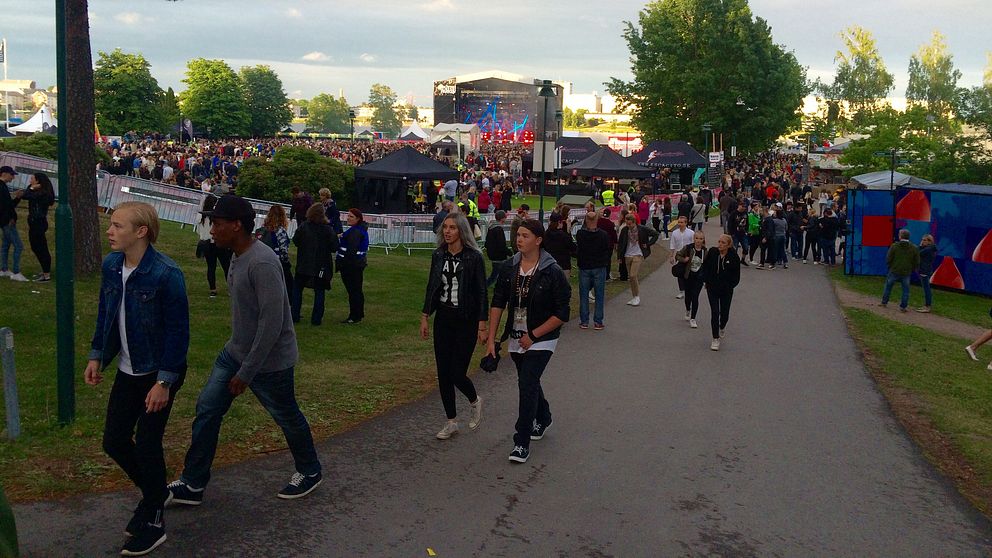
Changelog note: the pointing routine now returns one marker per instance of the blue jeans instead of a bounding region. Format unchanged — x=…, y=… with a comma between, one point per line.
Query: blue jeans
x=796, y=244
x=778, y=253
x=274, y=391
x=11, y=239
x=592, y=279
x=927, y=294
x=890, y=280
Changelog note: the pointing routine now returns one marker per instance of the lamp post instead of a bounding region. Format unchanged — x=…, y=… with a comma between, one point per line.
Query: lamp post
x=547, y=91
x=351, y=116
x=558, y=118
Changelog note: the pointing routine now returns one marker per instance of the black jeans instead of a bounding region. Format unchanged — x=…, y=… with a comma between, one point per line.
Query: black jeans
x=352, y=277
x=719, y=309
x=814, y=243
x=622, y=268
x=693, y=286
x=533, y=405
x=454, y=342
x=754, y=241
x=39, y=244
x=133, y=438
x=212, y=255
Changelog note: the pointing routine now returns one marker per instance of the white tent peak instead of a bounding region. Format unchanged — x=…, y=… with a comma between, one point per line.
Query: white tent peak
x=414, y=129
x=41, y=121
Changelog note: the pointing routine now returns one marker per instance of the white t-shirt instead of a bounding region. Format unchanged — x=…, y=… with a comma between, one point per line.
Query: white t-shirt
x=633, y=244
x=681, y=238
x=520, y=324
x=124, y=362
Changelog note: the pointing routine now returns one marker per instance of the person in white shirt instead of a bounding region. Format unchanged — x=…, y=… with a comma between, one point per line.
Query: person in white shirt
x=681, y=236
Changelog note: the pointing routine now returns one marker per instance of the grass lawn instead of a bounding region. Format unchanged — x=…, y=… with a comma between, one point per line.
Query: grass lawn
x=346, y=374
x=968, y=308
x=928, y=375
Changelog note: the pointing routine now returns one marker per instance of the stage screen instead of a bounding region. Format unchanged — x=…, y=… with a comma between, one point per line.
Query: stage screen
x=503, y=110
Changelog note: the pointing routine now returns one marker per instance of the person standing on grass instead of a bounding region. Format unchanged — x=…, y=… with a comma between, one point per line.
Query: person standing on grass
x=681, y=237
x=496, y=247
x=593, y=258
x=456, y=294
x=633, y=246
x=928, y=252
x=316, y=243
x=537, y=293
x=902, y=259
x=8, y=224
x=41, y=196
x=274, y=233
x=721, y=274
x=211, y=252
x=143, y=321
x=352, y=259
x=260, y=355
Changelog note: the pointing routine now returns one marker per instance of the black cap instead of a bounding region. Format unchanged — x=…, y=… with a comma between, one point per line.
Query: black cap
x=232, y=207
x=8, y=170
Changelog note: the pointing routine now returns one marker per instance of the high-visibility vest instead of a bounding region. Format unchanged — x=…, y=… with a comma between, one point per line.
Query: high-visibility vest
x=608, y=197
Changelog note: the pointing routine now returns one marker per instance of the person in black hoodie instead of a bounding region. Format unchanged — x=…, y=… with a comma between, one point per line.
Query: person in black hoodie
x=496, y=247
x=456, y=291
x=559, y=243
x=537, y=293
x=721, y=274
x=316, y=243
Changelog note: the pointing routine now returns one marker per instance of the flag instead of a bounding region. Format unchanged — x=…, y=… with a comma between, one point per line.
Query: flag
x=3, y=51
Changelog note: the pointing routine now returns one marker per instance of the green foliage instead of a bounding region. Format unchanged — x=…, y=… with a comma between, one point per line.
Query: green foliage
x=693, y=59
x=126, y=96
x=267, y=104
x=413, y=113
x=933, y=80
x=44, y=146
x=861, y=79
x=975, y=107
x=384, y=117
x=213, y=99
x=328, y=115
x=295, y=166
x=169, y=106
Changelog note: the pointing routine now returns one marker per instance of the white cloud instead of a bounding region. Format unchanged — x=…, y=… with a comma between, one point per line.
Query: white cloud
x=316, y=56
x=294, y=13
x=368, y=58
x=132, y=18
x=437, y=5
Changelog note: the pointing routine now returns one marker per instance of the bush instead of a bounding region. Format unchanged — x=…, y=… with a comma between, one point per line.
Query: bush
x=295, y=166
x=45, y=146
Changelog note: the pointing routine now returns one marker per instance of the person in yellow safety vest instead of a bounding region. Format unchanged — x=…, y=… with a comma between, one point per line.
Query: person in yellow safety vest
x=608, y=197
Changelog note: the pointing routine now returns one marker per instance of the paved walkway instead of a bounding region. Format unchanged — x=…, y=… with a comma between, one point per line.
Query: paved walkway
x=778, y=444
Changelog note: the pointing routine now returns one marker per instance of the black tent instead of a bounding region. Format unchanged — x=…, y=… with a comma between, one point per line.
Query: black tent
x=5, y=134
x=381, y=185
x=574, y=150
x=607, y=163
x=669, y=154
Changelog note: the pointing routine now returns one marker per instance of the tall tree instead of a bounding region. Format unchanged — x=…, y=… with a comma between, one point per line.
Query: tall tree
x=78, y=100
x=413, y=113
x=268, y=106
x=988, y=70
x=327, y=114
x=213, y=99
x=385, y=118
x=933, y=80
x=861, y=79
x=169, y=107
x=126, y=95
x=705, y=61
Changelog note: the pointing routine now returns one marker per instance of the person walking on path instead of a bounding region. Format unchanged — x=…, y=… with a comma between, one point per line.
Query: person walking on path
x=754, y=221
x=690, y=258
x=537, y=293
x=209, y=249
x=456, y=295
x=634, y=245
x=902, y=259
x=41, y=196
x=812, y=229
x=316, y=243
x=928, y=252
x=8, y=225
x=559, y=243
x=737, y=229
x=721, y=273
x=698, y=213
x=143, y=321
x=352, y=259
x=496, y=247
x=780, y=237
x=681, y=237
x=260, y=355
x=828, y=226
x=593, y=258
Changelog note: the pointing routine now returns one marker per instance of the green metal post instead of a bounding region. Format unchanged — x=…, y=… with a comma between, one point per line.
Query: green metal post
x=64, y=248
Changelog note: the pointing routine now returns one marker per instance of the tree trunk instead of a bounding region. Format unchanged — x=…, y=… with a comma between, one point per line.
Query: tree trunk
x=78, y=101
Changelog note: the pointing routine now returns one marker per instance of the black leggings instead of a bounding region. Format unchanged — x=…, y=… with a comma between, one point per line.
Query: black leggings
x=454, y=342
x=213, y=254
x=39, y=244
x=351, y=276
x=754, y=243
x=719, y=309
x=812, y=241
x=693, y=286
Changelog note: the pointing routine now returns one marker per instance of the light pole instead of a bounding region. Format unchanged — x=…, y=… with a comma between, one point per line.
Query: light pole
x=351, y=116
x=547, y=91
x=558, y=118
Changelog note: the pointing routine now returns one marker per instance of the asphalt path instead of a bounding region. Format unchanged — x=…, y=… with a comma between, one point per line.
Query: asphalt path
x=777, y=445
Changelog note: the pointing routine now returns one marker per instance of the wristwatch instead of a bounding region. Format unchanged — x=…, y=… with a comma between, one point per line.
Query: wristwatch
x=164, y=384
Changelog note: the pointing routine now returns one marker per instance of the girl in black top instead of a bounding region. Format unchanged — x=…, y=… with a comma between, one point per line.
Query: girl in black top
x=40, y=195
x=692, y=256
x=721, y=273
x=456, y=290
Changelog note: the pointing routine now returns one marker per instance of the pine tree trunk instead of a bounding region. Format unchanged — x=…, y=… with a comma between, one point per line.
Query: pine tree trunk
x=78, y=101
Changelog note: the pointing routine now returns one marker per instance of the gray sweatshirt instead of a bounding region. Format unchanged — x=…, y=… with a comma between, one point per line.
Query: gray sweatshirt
x=262, y=335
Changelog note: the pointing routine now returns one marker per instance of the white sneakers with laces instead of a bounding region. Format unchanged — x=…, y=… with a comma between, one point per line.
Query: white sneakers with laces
x=19, y=277
x=693, y=324
x=636, y=301
x=476, y=418
x=715, y=345
x=449, y=430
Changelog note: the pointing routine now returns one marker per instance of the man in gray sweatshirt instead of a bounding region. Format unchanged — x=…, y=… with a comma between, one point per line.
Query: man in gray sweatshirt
x=259, y=356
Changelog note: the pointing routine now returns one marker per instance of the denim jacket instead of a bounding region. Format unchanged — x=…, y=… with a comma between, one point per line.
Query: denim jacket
x=157, y=318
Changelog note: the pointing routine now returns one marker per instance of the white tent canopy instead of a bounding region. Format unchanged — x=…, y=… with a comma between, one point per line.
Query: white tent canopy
x=468, y=134
x=41, y=121
x=415, y=130
x=881, y=180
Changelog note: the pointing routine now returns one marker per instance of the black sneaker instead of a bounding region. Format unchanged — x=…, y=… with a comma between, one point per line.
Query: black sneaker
x=148, y=538
x=519, y=454
x=182, y=493
x=300, y=485
x=139, y=518
x=539, y=430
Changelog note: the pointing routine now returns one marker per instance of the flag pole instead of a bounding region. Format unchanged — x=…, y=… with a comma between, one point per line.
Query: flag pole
x=6, y=94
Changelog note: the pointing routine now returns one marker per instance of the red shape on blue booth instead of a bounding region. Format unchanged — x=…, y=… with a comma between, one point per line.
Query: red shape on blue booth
x=948, y=275
x=914, y=206
x=876, y=230
x=983, y=252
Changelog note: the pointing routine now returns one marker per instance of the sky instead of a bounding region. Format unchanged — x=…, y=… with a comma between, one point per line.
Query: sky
x=329, y=45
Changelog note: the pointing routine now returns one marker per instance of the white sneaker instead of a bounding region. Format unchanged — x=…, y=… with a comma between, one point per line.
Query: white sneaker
x=476, y=418
x=693, y=324
x=971, y=353
x=680, y=295
x=715, y=345
x=18, y=277
x=449, y=430
x=636, y=301
x=5, y=273
x=804, y=262
x=687, y=315
x=592, y=297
